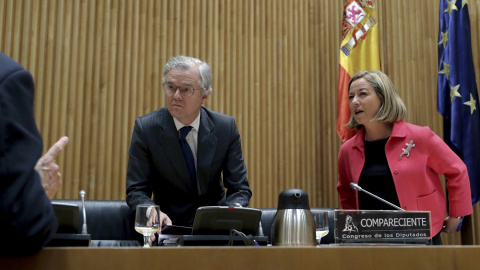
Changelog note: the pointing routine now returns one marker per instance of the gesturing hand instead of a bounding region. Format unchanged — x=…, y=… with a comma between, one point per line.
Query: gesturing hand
x=49, y=170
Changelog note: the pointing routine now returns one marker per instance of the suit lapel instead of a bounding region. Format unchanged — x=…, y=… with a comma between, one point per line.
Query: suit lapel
x=207, y=142
x=170, y=142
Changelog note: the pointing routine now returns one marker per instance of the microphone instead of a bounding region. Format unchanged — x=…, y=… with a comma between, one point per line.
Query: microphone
x=357, y=187
x=84, y=226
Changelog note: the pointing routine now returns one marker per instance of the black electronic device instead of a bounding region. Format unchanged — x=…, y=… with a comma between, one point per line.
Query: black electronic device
x=67, y=217
x=68, y=224
x=220, y=220
x=176, y=230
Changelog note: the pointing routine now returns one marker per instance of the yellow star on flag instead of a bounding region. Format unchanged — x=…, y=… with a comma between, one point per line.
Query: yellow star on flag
x=464, y=2
x=444, y=39
x=445, y=70
x=451, y=7
x=454, y=92
x=471, y=103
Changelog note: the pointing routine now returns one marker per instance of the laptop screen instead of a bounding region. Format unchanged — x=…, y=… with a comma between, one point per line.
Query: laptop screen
x=219, y=220
x=67, y=217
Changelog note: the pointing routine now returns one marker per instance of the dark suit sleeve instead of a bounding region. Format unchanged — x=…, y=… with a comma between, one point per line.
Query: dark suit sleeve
x=235, y=172
x=26, y=214
x=139, y=186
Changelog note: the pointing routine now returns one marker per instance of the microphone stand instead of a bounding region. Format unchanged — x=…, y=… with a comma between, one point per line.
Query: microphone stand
x=84, y=226
x=357, y=187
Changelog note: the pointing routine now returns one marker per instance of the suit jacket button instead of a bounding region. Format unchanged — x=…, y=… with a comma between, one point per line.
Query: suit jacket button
x=395, y=171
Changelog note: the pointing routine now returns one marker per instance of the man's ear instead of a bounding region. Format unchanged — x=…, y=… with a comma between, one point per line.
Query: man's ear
x=205, y=96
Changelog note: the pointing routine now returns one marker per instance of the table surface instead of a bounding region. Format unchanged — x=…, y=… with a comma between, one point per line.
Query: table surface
x=322, y=257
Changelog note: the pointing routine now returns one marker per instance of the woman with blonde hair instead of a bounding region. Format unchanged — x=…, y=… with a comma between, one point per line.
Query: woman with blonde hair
x=398, y=161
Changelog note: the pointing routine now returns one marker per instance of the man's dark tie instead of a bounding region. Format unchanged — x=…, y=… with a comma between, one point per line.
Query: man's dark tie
x=187, y=154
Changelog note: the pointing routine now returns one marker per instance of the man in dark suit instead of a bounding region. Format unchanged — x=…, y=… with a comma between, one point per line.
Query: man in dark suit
x=186, y=174
x=27, y=183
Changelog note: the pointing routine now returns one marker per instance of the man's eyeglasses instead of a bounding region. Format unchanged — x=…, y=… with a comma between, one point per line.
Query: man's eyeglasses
x=184, y=91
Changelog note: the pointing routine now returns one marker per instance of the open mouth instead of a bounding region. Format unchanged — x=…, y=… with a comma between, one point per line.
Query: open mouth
x=358, y=111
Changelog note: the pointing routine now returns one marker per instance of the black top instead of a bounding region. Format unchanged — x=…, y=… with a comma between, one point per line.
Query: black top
x=376, y=178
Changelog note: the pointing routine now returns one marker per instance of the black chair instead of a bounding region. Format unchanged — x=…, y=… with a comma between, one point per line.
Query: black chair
x=111, y=223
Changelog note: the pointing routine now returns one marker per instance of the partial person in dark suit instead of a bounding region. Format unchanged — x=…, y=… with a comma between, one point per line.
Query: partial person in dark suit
x=27, y=182
x=156, y=160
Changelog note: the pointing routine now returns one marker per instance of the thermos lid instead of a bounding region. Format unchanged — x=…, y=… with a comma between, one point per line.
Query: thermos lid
x=293, y=199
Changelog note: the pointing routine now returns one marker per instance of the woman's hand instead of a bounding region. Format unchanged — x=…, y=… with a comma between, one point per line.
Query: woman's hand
x=450, y=224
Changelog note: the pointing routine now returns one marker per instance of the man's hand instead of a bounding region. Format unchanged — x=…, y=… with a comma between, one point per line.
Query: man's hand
x=49, y=170
x=164, y=221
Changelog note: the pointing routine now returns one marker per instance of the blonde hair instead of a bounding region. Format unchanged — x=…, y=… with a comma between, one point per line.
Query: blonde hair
x=392, y=108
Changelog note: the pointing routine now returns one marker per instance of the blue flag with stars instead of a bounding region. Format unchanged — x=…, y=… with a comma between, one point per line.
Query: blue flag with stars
x=457, y=88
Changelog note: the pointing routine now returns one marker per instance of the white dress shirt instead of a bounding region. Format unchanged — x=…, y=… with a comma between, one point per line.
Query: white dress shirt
x=192, y=136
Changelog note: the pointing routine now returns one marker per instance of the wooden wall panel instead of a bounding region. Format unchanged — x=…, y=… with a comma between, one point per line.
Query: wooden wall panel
x=98, y=65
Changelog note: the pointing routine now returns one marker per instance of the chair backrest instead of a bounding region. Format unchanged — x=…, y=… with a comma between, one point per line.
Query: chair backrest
x=268, y=214
x=111, y=222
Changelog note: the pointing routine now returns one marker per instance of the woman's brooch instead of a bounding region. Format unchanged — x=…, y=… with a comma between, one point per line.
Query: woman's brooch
x=409, y=145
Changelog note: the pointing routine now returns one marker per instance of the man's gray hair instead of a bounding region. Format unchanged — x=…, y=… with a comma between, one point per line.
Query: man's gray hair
x=187, y=62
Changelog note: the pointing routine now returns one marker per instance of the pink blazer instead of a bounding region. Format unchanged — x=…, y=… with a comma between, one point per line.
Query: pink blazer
x=416, y=176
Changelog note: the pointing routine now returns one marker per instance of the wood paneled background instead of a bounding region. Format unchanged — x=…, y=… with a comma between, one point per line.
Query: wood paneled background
x=98, y=65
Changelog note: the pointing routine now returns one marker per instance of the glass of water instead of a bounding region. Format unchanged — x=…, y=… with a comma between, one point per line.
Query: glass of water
x=321, y=225
x=147, y=221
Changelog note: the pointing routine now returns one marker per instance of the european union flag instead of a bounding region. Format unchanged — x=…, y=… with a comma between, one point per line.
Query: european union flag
x=457, y=88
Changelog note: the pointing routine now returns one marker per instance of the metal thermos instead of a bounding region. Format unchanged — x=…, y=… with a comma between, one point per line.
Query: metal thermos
x=293, y=224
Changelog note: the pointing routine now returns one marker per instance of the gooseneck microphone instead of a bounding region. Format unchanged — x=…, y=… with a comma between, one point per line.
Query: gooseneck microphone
x=357, y=187
x=84, y=226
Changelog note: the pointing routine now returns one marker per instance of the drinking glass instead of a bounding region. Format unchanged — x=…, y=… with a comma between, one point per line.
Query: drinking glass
x=147, y=221
x=321, y=225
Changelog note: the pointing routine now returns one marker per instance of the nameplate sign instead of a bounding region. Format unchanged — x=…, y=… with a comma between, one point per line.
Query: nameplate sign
x=379, y=226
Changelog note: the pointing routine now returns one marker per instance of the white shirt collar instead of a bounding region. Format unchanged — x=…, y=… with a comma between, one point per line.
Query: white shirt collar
x=195, y=124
